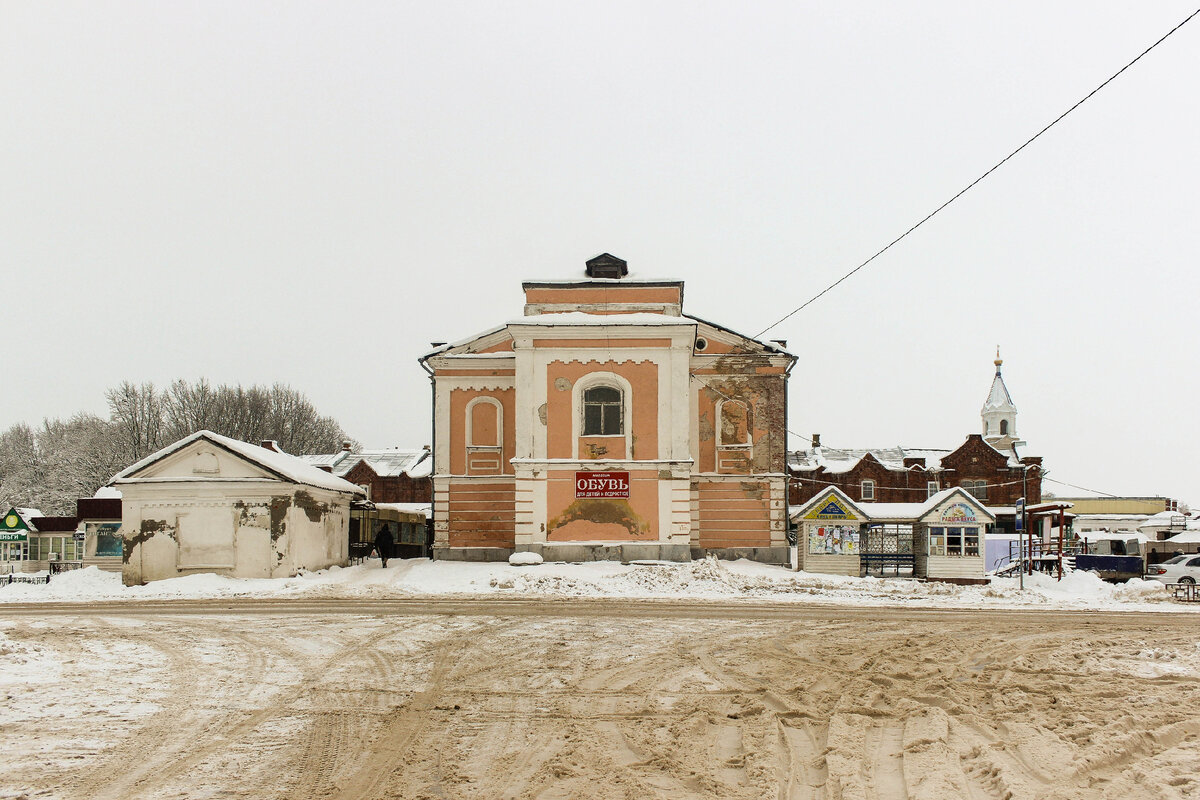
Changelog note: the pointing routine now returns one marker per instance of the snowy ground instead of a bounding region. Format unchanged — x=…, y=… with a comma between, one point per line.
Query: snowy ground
x=709, y=579
x=334, y=704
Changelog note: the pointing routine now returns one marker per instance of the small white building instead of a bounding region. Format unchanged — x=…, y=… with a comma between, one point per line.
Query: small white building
x=828, y=528
x=209, y=503
x=942, y=538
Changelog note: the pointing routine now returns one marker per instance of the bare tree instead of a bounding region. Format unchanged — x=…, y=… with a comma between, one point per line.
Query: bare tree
x=48, y=468
x=137, y=413
x=189, y=407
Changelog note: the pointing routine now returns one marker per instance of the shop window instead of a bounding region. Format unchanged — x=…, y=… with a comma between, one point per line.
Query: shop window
x=868, y=490
x=937, y=541
x=735, y=424
x=841, y=540
x=953, y=541
x=603, y=411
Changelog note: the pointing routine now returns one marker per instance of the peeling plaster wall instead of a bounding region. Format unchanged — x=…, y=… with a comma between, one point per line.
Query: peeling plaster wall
x=244, y=531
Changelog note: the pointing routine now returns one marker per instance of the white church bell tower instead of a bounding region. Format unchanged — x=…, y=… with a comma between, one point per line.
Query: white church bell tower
x=999, y=414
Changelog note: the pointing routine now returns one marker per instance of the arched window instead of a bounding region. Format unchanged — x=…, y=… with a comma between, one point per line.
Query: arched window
x=735, y=424
x=1003, y=427
x=603, y=411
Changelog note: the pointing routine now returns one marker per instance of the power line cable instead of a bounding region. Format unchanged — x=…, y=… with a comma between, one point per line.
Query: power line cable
x=1081, y=488
x=972, y=184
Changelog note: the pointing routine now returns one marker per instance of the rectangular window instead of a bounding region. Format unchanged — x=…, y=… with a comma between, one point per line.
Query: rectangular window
x=937, y=541
x=971, y=541
x=931, y=488
x=954, y=541
x=868, y=490
x=841, y=540
x=977, y=489
x=602, y=411
x=601, y=420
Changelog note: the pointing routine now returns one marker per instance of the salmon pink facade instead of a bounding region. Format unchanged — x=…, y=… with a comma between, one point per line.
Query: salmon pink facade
x=606, y=423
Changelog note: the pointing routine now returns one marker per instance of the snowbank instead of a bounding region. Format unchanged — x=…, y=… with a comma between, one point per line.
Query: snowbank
x=707, y=579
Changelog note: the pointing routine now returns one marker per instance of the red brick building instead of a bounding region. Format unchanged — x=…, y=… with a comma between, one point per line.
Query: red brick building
x=987, y=465
x=389, y=475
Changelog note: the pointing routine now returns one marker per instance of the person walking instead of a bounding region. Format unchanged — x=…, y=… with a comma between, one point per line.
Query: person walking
x=383, y=543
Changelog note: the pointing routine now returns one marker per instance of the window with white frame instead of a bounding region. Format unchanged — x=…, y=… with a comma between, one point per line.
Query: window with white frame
x=868, y=490
x=931, y=488
x=603, y=411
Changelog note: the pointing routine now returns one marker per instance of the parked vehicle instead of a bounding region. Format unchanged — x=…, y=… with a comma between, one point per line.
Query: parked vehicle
x=1113, y=559
x=1180, y=569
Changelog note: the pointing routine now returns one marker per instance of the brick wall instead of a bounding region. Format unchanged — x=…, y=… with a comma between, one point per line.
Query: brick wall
x=975, y=460
x=391, y=489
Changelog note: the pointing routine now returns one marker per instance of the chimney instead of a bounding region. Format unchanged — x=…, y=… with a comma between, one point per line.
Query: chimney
x=346, y=447
x=606, y=265
x=816, y=440
x=272, y=445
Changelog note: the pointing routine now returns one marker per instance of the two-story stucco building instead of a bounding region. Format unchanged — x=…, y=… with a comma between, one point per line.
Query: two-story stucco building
x=606, y=423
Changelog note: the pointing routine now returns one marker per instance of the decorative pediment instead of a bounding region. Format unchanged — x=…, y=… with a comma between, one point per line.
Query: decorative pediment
x=203, y=459
x=832, y=505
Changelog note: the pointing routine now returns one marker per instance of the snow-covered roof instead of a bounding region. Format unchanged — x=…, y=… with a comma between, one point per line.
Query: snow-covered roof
x=1165, y=519
x=1120, y=536
x=842, y=459
x=424, y=509
x=287, y=467
x=28, y=513
x=998, y=398
x=914, y=511
x=586, y=279
x=838, y=459
x=386, y=462
x=1186, y=537
x=107, y=493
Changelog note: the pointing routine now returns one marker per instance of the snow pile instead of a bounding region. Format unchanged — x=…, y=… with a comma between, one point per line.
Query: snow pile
x=1082, y=589
x=705, y=579
x=525, y=559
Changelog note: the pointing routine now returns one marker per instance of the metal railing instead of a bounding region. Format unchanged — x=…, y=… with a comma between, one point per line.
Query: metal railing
x=1185, y=592
x=16, y=577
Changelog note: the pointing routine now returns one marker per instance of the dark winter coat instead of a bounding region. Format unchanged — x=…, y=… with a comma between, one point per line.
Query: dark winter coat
x=384, y=542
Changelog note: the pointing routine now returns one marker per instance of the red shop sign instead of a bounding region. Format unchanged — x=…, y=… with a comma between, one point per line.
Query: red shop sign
x=602, y=484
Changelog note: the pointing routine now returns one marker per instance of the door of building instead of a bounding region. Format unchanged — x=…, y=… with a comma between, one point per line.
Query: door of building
x=12, y=551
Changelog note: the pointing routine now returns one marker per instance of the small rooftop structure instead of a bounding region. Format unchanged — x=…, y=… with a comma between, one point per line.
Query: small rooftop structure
x=606, y=265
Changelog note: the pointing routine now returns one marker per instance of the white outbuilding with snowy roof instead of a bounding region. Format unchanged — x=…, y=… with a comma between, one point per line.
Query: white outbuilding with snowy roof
x=208, y=503
x=942, y=538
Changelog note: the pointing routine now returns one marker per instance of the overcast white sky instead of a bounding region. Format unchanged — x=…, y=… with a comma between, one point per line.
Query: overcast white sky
x=312, y=192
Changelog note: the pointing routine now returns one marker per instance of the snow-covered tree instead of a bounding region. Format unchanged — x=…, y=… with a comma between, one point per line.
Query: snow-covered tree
x=49, y=467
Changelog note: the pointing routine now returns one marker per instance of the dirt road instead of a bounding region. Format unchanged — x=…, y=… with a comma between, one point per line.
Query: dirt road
x=604, y=699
